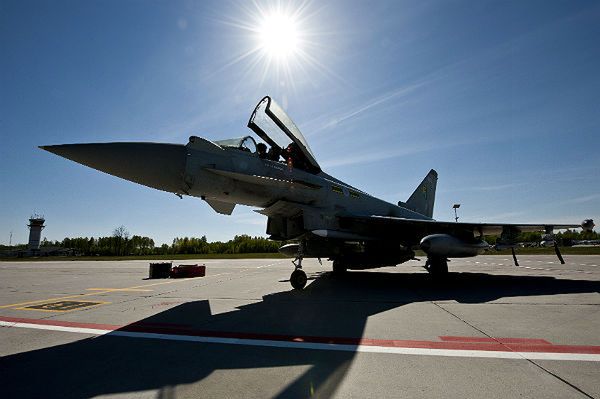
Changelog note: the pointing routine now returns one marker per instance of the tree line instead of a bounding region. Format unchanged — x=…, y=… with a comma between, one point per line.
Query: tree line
x=564, y=238
x=120, y=243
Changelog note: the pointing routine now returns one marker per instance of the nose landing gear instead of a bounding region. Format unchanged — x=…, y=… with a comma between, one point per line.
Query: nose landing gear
x=298, y=278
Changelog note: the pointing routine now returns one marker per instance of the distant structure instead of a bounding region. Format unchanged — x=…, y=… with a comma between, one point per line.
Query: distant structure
x=36, y=225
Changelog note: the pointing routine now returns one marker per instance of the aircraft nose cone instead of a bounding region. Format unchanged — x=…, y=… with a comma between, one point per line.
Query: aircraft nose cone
x=155, y=165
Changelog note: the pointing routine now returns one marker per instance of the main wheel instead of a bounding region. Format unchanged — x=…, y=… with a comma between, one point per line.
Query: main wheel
x=339, y=267
x=298, y=279
x=437, y=267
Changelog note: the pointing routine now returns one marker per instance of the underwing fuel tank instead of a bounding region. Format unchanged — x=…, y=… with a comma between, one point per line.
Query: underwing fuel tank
x=290, y=250
x=155, y=165
x=449, y=246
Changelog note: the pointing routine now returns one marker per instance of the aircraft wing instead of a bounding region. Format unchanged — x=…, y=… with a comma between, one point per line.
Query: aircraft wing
x=484, y=228
x=415, y=229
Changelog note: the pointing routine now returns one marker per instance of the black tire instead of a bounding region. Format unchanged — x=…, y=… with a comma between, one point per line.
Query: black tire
x=339, y=267
x=298, y=279
x=437, y=267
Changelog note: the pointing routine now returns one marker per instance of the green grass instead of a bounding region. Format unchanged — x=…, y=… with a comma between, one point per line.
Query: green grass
x=520, y=251
x=549, y=251
x=148, y=257
x=539, y=251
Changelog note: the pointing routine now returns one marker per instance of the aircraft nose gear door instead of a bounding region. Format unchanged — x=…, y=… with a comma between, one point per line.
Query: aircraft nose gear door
x=298, y=278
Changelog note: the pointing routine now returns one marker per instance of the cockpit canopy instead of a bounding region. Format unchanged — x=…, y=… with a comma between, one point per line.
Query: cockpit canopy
x=270, y=122
x=246, y=143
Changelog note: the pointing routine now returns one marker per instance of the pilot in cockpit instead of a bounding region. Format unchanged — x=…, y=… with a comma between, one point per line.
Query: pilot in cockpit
x=274, y=153
x=294, y=158
x=261, y=150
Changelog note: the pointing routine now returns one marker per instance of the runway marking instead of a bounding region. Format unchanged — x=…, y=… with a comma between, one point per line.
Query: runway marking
x=555, y=270
x=118, y=289
x=106, y=291
x=63, y=306
x=271, y=264
x=50, y=299
x=532, y=341
x=498, y=348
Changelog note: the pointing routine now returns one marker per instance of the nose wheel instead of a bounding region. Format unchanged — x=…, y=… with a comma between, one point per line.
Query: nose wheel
x=298, y=278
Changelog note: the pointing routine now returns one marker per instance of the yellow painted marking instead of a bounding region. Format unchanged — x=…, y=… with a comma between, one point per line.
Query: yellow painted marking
x=118, y=289
x=161, y=283
x=104, y=291
x=13, y=305
x=93, y=305
x=52, y=299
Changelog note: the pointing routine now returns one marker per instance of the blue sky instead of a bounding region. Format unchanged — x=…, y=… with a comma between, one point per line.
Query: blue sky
x=501, y=98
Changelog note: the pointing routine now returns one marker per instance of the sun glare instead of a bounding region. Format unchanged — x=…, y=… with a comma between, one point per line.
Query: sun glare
x=278, y=36
x=283, y=44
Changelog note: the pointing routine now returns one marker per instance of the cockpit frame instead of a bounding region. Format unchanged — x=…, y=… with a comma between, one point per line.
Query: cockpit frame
x=275, y=114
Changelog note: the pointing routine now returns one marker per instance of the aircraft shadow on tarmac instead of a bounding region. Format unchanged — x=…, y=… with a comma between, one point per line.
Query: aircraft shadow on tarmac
x=328, y=307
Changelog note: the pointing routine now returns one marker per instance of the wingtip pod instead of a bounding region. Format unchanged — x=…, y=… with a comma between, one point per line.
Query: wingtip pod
x=155, y=165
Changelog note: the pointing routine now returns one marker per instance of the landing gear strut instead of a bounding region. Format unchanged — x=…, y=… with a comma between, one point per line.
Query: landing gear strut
x=339, y=267
x=437, y=266
x=298, y=278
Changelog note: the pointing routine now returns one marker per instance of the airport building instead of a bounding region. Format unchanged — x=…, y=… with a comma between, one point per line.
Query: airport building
x=36, y=225
x=34, y=248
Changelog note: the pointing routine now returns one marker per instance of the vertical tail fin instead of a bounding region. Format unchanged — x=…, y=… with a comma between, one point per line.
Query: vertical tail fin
x=423, y=198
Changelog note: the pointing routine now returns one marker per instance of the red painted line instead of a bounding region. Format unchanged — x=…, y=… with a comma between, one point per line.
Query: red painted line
x=530, y=341
x=456, y=343
x=166, y=325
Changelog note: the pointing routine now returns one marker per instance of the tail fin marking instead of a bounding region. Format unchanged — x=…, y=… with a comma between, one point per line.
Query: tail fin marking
x=423, y=198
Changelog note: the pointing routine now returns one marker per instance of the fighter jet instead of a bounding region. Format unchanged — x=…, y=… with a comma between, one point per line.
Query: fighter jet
x=325, y=218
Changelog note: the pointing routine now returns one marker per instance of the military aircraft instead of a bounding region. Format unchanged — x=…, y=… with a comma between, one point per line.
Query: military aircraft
x=325, y=217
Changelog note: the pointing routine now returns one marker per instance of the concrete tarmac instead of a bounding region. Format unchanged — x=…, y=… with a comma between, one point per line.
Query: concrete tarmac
x=102, y=329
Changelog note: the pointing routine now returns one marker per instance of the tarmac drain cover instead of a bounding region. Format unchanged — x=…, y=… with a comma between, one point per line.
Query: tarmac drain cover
x=63, y=306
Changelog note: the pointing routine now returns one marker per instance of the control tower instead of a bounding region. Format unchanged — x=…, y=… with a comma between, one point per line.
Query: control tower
x=36, y=225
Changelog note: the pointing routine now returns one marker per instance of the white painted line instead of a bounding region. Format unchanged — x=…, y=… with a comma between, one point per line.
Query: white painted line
x=270, y=264
x=79, y=330
x=319, y=346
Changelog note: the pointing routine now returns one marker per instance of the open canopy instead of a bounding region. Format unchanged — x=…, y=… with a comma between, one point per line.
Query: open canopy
x=274, y=126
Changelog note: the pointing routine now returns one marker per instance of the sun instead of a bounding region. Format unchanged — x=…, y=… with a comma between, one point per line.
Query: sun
x=278, y=35
x=284, y=44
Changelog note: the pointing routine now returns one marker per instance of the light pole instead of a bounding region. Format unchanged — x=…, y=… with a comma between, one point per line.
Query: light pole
x=455, y=207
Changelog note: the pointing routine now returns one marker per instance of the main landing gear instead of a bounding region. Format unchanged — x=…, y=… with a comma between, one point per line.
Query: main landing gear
x=339, y=268
x=437, y=266
x=298, y=278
